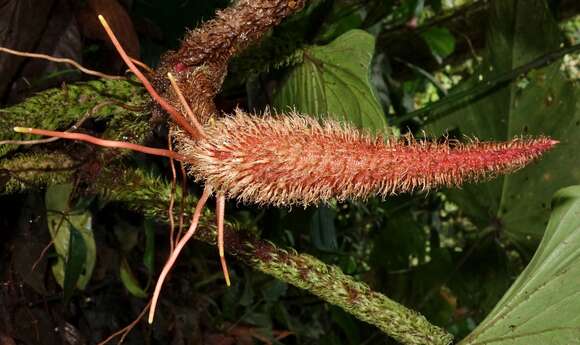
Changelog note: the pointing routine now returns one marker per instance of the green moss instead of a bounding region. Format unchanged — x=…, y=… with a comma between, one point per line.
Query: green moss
x=34, y=170
x=59, y=108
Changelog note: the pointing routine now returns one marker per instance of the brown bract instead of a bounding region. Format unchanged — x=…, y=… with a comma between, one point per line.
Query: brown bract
x=231, y=30
x=297, y=160
x=200, y=64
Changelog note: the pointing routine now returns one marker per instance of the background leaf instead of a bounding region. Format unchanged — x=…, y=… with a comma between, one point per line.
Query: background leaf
x=542, y=306
x=61, y=222
x=441, y=42
x=334, y=81
x=542, y=103
x=149, y=254
x=75, y=262
x=342, y=18
x=129, y=280
x=322, y=228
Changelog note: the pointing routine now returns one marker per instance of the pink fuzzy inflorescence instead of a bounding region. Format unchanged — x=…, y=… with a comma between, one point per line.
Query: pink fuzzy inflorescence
x=296, y=160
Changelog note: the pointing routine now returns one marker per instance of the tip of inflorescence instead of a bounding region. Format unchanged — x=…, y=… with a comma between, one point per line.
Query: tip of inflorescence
x=22, y=130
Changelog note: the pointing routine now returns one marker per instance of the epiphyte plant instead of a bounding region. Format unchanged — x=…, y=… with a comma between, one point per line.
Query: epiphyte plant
x=288, y=159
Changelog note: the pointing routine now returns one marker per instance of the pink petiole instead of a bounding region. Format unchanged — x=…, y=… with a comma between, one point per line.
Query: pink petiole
x=102, y=142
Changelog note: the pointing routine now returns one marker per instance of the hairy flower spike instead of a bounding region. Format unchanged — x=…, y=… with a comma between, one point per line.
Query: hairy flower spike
x=290, y=160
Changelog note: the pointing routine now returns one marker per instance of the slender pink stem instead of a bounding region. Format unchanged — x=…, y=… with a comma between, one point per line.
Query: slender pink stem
x=175, y=115
x=172, y=197
x=103, y=142
x=220, y=212
x=178, y=248
x=61, y=60
x=183, y=101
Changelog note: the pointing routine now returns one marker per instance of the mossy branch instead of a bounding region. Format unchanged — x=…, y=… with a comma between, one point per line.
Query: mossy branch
x=35, y=170
x=150, y=194
x=59, y=108
x=121, y=103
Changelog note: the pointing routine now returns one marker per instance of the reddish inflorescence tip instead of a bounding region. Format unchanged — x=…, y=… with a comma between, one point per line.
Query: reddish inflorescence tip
x=293, y=159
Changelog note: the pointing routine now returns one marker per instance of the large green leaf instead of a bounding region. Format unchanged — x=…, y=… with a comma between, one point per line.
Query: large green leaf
x=62, y=221
x=544, y=103
x=334, y=81
x=543, y=305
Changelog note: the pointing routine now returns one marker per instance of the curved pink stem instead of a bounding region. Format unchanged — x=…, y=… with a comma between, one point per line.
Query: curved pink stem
x=220, y=213
x=102, y=142
x=175, y=115
x=178, y=248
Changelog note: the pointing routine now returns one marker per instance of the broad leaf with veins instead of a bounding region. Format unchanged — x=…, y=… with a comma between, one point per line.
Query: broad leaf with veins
x=333, y=81
x=543, y=305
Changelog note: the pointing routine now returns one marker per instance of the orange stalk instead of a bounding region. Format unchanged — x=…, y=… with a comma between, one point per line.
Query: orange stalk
x=220, y=214
x=178, y=248
x=175, y=115
x=102, y=142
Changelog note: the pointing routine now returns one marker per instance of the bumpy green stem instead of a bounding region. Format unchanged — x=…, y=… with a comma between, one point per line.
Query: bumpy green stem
x=333, y=286
x=149, y=194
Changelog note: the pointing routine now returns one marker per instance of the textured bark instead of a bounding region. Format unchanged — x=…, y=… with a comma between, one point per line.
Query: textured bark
x=230, y=31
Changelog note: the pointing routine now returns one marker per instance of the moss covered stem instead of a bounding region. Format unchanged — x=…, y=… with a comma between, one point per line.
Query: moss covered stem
x=150, y=195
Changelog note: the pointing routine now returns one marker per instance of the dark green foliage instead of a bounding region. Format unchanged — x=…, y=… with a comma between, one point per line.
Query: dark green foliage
x=333, y=82
x=538, y=103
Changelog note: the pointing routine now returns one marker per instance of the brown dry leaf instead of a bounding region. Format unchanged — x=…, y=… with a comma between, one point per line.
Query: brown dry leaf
x=35, y=326
x=118, y=19
x=6, y=340
x=20, y=30
x=27, y=250
x=219, y=339
x=60, y=37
